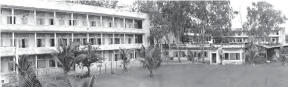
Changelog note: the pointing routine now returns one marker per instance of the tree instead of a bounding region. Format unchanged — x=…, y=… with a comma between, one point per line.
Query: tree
x=125, y=56
x=66, y=54
x=88, y=56
x=100, y=3
x=190, y=56
x=281, y=54
x=151, y=57
x=262, y=18
x=27, y=76
x=213, y=18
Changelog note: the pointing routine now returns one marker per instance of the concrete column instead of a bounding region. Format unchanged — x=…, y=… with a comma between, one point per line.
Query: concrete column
x=114, y=57
x=55, y=40
x=102, y=39
x=87, y=20
x=72, y=37
x=113, y=41
x=124, y=38
x=113, y=21
x=35, y=38
x=101, y=19
x=72, y=19
x=12, y=13
x=87, y=38
x=124, y=20
x=134, y=41
x=133, y=23
x=35, y=18
x=134, y=51
x=13, y=39
x=54, y=17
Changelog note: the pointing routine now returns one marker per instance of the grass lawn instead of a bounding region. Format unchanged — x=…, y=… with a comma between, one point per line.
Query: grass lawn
x=201, y=75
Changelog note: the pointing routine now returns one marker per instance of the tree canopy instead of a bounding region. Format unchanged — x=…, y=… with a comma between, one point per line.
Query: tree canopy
x=262, y=18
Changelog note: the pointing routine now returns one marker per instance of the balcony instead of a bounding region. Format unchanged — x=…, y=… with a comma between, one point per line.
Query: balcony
x=7, y=51
x=56, y=28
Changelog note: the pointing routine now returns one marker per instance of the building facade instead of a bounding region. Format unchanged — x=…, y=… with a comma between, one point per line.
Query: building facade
x=35, y=29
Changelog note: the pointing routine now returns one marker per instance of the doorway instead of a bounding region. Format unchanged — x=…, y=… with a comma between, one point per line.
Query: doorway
x=214, y=57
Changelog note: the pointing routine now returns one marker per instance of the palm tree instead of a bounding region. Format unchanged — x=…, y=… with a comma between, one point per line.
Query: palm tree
x=66, y=55
x=151, y=57
x=27, y=76
x=88, y=56
x=124, y=54
x=190, y=56
x=252, y=52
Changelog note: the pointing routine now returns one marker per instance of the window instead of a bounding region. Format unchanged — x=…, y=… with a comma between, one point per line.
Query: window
x=205, y=54
x=11, y=65
x=40, y=21
x=9, y=20
x=84, y=23
x=98, y=41
x=237, y=56
x=40, y=42
x=52, y=63
x=24, y=20
x=110, y=24
x=129, y=40
x=277, y=33
x=84, y=41
x=93, y=23
x=51, y=21
x=92, y=41
x=23, y=43
x=138, y=24
x=226, y=55
x=74, y=22
x=117, y=40
x=110, y=40
x=52, y=42
x=138, y=39
x=286, y=38
x=41, y=63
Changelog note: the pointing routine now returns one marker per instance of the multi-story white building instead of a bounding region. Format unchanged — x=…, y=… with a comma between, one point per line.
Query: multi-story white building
x=34, y=29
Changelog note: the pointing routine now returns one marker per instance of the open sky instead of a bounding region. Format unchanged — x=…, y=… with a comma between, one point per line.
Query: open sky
x=241, y=6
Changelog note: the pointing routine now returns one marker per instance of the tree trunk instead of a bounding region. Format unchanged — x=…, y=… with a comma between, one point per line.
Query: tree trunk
x=151, y=73
x=125, y=68
x=88, y=72
x=178, y=50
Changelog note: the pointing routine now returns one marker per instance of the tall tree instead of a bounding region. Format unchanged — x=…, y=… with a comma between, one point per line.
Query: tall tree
x=213, y=18
x=262, y=18
x=88, y=56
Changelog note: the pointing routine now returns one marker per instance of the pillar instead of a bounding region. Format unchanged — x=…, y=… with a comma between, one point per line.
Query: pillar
x=133, y=23
x=101, y=18
x=102, y=39
x=36, y=63
x=113, y=41
x=55, y=40
x=54, y=18
x=72, y=24
x=87, y=19
x=113, y=21
x=134, y=41
x=35, y=18
x=35, y=38
x=72, y=37
x=124, y=20
x=12, y=13
x=13, y=39
x=134, y=51
x=87, y=38
x=124, y=38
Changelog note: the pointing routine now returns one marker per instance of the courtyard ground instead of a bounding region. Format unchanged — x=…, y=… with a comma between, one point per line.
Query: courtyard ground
x=201, y=75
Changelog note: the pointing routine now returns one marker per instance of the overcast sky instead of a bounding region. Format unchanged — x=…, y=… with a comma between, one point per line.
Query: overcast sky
x=241, y=6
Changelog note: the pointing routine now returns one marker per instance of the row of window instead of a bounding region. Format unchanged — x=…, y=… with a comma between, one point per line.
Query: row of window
x=42, y=41
x=47, y=18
